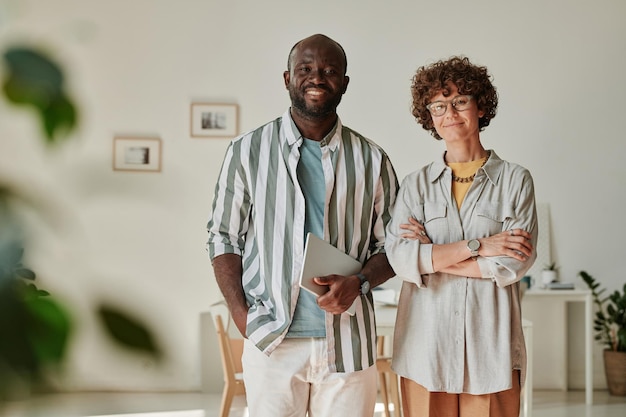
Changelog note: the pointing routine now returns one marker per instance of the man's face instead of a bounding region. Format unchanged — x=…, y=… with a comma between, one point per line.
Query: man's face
x=316, y=80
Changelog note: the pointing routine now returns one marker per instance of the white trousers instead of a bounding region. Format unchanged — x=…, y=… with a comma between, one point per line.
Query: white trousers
x=295, y=380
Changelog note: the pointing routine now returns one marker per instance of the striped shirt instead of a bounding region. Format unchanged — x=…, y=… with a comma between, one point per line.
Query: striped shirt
x=259, y=214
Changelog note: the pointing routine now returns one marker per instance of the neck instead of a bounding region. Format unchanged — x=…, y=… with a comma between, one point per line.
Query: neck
x=465, y=154
x=315, y=129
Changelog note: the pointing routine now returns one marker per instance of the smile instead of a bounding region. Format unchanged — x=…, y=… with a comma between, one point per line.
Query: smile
x=314, y=92
x=454, y=124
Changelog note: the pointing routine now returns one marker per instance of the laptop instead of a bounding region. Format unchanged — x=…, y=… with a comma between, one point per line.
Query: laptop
x=320, y=259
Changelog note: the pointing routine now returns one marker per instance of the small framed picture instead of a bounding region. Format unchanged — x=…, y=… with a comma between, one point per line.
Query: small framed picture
x=214, y=120
x=136, y=154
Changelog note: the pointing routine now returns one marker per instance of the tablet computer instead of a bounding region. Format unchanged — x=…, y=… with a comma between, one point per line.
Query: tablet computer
x=321, y=259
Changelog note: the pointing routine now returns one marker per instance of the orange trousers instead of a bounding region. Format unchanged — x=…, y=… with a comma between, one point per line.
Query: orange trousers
x=418, y=402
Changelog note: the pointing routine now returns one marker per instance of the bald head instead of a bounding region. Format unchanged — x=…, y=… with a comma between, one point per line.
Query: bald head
x=317, y=39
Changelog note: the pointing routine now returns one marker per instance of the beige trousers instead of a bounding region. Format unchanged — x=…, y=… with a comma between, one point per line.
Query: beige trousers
x=295, y=381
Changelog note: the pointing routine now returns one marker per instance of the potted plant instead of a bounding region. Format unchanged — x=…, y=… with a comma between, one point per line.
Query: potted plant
x=610, y=328
x=549, y=274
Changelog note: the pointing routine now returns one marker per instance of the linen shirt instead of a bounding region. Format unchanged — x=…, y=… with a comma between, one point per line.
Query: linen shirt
x=457, y=334
x=259, y=214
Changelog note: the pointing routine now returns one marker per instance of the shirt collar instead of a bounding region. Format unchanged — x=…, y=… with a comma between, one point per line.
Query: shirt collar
x=332, y=139
x=492, y=168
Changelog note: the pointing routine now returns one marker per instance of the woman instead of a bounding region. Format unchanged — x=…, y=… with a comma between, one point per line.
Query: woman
x=462, y=236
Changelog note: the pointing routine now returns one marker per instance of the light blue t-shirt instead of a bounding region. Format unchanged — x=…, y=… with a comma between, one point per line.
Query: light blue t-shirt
x=309, y=318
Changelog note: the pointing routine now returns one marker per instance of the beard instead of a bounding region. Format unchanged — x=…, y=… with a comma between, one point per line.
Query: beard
x=313, y=111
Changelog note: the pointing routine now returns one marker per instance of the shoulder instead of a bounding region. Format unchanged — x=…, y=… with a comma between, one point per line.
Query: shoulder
x=366, y=144
x=419, y=175
x=508, y=175
x=262, y=132
x=506, y=168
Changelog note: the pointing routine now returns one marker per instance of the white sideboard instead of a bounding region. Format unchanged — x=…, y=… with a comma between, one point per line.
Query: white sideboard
x=547, y=309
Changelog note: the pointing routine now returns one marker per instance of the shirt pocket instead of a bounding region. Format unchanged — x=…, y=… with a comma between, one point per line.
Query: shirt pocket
x=435, y=220
x=492, y=216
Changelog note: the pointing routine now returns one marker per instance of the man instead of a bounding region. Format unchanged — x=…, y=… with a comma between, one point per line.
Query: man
x=304, y=172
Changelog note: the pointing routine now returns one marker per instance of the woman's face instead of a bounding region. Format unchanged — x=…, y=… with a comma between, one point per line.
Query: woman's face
x=454, y=125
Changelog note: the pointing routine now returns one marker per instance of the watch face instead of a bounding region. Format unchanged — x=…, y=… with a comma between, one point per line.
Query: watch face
x=473, y=244
x=365, y=287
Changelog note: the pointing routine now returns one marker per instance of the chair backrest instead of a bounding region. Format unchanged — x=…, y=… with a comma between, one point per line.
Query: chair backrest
x=231, y=348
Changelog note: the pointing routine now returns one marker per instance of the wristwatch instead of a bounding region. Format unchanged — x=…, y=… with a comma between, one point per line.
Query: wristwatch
x=473, y=246
x=365, y=284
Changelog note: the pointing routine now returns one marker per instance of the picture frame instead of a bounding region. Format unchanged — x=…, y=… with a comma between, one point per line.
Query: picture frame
x=214, y=120
x=136, y=154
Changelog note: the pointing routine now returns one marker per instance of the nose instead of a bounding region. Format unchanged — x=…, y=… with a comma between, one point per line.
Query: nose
x=451, y=110
x=317, y=76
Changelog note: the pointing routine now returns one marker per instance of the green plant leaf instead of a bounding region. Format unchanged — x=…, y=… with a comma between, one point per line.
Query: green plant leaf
x=48, y=330
x=35, y=334
x=25, y=273
x=35, y=80
x=128, y=332
x=610, y=317
x=59, y=117
x=33, y=76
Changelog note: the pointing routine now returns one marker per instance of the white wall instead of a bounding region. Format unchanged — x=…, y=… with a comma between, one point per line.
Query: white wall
x=135, y=67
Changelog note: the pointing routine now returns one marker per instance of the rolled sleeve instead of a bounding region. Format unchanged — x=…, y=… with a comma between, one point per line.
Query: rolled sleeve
x=408, y=258
x=228, y=222
x=504, y=270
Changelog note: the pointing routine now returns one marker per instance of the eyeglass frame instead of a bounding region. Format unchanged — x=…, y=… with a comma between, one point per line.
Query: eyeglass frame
x=447, y=102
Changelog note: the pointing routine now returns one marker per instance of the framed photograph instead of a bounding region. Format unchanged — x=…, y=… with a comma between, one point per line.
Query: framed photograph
x=136, y=154
x=214, y=120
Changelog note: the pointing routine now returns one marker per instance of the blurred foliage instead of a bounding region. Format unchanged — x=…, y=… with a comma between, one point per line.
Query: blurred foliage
x=127, y=331
x=35, y=328
x=33, y=80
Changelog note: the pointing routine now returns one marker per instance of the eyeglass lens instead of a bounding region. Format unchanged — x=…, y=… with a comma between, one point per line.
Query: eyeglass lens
x=439, y=108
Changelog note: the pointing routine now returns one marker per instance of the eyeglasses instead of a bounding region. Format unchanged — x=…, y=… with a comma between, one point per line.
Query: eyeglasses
x=439, y=108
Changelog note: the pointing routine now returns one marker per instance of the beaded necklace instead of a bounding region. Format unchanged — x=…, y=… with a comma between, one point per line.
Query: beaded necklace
x=471, y=177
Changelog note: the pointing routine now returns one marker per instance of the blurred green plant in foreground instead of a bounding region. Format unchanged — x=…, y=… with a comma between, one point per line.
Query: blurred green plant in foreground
x=35, y=327
x=35, y=81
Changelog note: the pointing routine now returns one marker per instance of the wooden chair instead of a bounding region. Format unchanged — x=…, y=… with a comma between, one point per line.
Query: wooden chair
x=387, y=381
x=231, y=350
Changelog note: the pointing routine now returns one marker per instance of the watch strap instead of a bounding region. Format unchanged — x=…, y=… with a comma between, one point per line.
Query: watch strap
x=365, y=285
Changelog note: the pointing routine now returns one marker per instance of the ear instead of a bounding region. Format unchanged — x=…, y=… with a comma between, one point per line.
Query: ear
x=481, y=113
x=286, y=78
x=346, y=81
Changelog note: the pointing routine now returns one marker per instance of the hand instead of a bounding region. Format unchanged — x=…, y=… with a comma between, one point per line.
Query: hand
x=514, y=243
x=342, y=291
x=415, y=231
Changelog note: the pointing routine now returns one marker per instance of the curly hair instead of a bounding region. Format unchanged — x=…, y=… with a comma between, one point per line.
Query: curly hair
x=469, y=79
